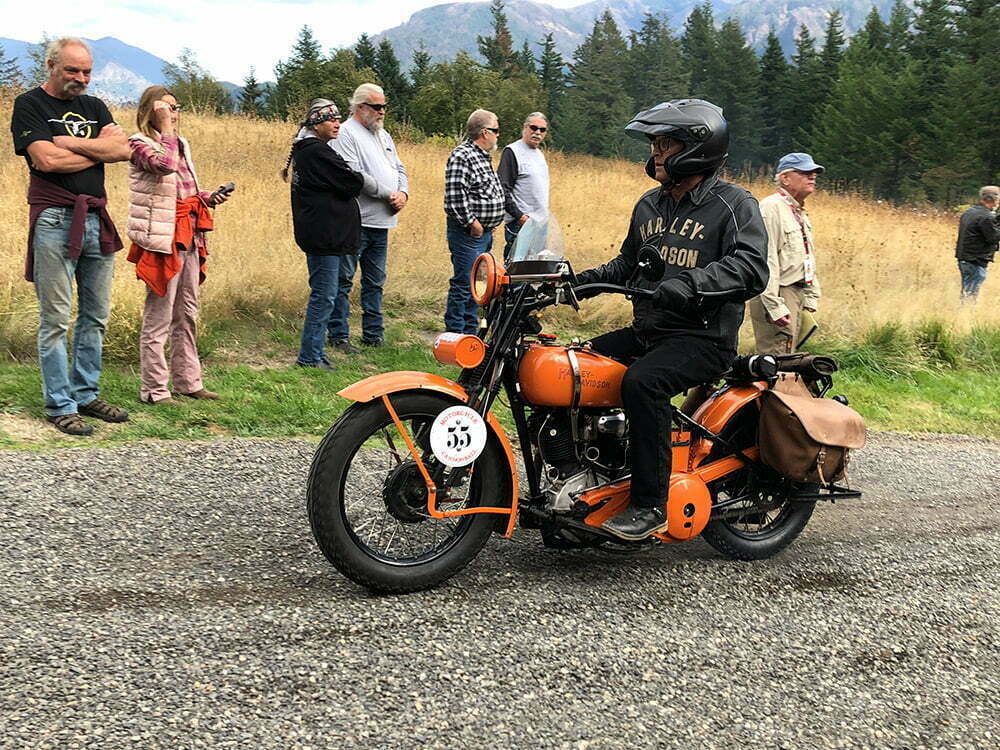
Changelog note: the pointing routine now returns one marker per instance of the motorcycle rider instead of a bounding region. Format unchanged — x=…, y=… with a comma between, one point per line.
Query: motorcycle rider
x=712, y=239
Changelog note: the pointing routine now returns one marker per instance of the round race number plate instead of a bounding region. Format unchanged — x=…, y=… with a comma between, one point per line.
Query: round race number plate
x=458, y=436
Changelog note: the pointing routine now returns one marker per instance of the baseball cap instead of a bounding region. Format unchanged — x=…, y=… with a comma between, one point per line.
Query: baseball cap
x=799, y=161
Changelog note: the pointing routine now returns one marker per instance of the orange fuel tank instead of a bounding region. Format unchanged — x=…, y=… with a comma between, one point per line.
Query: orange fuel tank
x=560, y=376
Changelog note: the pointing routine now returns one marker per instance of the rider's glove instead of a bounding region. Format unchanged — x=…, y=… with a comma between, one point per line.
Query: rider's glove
x=585, y=277
x=674, y=294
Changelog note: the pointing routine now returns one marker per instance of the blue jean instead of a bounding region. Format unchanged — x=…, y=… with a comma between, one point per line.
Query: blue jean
x=65, y=390
x=372, y=255
x=973, y=277
x=323, y=281
x=461, y=314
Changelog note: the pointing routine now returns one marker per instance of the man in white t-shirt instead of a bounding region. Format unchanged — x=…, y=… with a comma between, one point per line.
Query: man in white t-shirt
x=524, y=175
x=369, y=149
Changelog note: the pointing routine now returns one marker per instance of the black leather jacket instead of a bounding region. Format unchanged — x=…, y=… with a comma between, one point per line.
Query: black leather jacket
x=714, y=245
x=978, y=233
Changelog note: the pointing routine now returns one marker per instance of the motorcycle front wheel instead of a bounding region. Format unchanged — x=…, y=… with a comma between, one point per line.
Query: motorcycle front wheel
x=760, y=524
x=367, y=499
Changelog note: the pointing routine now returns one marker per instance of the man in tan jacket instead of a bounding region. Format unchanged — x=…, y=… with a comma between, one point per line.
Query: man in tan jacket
x=793, y=285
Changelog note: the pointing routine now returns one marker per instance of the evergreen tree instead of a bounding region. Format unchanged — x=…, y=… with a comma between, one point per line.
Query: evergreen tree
x=553, y=77
x=736, y=91
x=251, y=95
x=397, y=88
x=300, y=78
x=194, y=87
x=10, y=73
x=900, y=19
x=932, y=48
x=775, y=139
x=656, y=70
x=364, y=53
x=831, y=55
x=39, y=70
x=698, y=43
x=964, y=153
x=525, y=61
x=874, y=36
x=596, y=103
x=498, y=50
x=805, y=81
x=421, y=67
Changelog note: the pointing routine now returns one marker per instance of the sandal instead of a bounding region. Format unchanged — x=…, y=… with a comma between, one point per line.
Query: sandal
x=103, y=410
x=71, y=424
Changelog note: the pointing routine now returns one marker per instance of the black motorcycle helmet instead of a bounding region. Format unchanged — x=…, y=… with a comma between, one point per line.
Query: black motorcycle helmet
x=696, y=123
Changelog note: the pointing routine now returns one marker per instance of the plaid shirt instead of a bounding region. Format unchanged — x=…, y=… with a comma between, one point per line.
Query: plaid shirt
x=471, y=188
x=165, y=160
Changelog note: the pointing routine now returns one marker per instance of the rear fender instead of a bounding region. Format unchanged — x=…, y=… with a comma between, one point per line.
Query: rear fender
x=386, y=384
x=716, y=412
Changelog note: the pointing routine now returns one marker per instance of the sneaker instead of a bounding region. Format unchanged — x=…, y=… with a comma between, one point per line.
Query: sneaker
x=103, y=410
x=373, y=342
x=202, y=393
x=344, y=346
x=322, y=365
x=71, y=424
x=637, y=523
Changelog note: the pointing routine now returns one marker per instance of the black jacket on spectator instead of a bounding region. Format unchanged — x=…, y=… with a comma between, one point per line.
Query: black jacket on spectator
x=978, y=234
x=325, y=212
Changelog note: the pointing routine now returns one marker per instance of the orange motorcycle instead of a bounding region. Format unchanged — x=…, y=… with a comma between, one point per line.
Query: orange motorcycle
x=414, y=477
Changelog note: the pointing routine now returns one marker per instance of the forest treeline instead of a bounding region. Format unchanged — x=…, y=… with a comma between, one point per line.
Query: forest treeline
x=908, y=108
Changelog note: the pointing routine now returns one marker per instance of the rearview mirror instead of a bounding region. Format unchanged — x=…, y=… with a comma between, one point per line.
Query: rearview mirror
x=651, y=264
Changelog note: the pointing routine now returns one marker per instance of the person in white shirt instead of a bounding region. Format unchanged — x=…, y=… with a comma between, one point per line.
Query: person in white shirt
x=524, y=175
x=369, y=149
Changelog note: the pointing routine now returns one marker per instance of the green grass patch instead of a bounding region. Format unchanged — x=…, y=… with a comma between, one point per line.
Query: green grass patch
x=924, y=379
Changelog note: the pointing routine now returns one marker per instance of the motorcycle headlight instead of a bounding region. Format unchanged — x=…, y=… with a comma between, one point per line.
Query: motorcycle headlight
x=487, y=279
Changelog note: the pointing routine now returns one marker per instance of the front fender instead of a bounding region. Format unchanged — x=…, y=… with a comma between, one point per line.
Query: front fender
x=388, y=383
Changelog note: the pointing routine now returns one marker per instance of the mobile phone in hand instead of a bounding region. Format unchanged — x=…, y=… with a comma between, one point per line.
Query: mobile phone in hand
x=226, y=189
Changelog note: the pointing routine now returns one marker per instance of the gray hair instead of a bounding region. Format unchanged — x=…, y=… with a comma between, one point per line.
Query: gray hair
x=361, y=94
x=56, y=46
x=535, y=116
x=989, y=193
x=479, y=120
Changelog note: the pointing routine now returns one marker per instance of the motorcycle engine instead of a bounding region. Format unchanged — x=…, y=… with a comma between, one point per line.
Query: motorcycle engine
x=596, y=455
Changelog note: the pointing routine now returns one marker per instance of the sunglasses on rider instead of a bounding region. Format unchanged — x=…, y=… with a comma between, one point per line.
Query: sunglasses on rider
x=495, y=131
x=537, y=128
x=376, y=107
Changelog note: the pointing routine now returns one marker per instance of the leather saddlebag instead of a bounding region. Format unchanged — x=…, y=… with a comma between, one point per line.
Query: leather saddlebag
x=808, y=439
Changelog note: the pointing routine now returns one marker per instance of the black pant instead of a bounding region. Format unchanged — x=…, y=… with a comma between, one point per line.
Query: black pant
x=663, y=369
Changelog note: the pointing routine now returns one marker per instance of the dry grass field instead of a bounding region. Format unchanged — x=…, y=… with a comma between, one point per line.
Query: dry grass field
x=878, y=263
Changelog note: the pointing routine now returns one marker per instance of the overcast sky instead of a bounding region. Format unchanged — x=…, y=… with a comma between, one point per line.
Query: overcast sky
x=228, y=36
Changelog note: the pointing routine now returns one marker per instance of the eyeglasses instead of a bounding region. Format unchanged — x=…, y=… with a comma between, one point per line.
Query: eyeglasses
x=537, y=128
x=495, y=131
x=376, y=107
x=175, y=107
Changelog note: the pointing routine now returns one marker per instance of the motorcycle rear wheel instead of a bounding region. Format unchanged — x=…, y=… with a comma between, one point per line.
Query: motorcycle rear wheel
x=367, y=499
x=759, y=528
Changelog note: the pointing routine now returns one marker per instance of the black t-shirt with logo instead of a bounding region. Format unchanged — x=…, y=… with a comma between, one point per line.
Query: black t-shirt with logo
x=38, y=117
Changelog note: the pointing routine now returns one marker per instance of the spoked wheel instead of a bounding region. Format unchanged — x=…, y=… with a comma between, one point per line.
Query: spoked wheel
x=760, y=521
x=367, y=499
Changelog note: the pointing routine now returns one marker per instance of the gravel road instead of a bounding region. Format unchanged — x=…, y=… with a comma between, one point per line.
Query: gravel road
x=170, y=595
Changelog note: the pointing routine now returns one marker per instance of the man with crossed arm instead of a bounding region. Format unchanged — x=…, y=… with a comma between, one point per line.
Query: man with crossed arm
x=66, y=138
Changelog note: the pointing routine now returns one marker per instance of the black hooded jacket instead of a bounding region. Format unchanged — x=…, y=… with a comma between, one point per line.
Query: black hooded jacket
x=325, y=214
x=714, y=246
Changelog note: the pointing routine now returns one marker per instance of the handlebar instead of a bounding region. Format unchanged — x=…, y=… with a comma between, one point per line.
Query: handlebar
x=592, y=290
